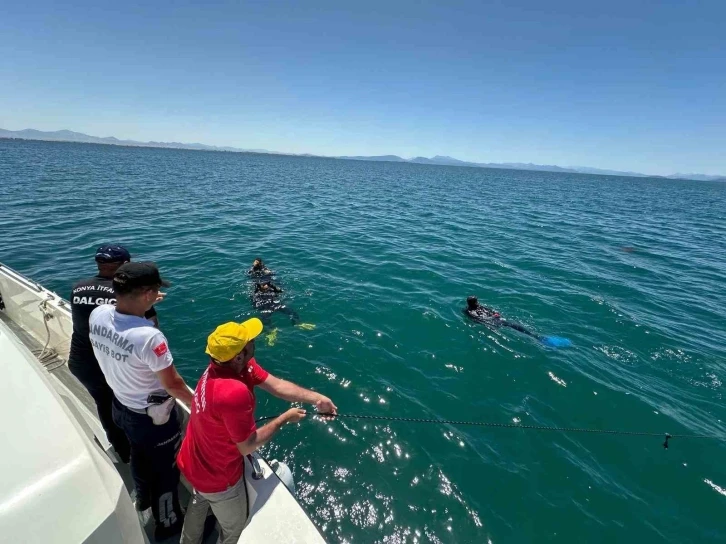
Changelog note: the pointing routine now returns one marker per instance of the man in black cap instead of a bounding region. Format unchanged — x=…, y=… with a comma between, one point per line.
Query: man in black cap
x=85, y=297
x=135, y=359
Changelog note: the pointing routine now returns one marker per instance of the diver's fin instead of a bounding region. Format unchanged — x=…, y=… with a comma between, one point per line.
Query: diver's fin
x=556, y=341
x=272, y=337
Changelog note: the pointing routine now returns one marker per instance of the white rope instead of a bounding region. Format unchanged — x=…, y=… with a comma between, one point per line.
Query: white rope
x=47, y=357
x=47, y=316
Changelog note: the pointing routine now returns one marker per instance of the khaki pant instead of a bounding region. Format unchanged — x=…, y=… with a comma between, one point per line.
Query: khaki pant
x=229, y=507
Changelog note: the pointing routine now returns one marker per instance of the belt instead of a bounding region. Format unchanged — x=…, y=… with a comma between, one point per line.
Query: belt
x=135, y=410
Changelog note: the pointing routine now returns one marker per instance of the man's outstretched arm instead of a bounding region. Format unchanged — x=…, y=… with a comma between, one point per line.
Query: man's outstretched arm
x=262, y=435
x=294, y=393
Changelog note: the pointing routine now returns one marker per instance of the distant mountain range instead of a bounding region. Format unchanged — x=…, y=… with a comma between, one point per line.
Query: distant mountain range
x=70, y=136
x=450, y=161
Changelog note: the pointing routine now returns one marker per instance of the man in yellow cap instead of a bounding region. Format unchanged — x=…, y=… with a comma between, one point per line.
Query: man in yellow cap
x=222, y=428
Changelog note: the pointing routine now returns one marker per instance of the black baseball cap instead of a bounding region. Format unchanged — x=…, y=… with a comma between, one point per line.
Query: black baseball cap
x=112, y=253
x=140, y=274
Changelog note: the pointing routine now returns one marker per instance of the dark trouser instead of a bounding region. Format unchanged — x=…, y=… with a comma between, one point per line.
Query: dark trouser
x=153, y=463
x=90, y=375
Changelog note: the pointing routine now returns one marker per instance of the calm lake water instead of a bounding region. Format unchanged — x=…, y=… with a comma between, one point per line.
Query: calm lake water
x=380, y=257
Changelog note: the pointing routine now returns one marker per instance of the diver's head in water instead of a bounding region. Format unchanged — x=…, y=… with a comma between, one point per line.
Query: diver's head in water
x=257, y=264
x=472, y=303
x=266, y=287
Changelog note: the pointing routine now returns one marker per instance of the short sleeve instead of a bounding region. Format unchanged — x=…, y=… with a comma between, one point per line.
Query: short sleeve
x=235, y=407
x=156, y=352
x=76, y=312
x=256, y=373
x=97, y=312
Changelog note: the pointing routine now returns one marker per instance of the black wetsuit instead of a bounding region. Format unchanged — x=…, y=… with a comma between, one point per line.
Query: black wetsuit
x=261, y=273
x=85, y=297
x=492, y=318
x=267, y=301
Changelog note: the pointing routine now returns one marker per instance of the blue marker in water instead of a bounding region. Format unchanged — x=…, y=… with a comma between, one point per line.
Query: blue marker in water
x=492, y=318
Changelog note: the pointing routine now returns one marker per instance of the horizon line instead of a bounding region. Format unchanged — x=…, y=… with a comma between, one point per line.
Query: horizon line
x=427, y=161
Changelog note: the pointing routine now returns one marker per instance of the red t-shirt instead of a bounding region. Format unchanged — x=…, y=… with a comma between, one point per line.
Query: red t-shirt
x=222, y=415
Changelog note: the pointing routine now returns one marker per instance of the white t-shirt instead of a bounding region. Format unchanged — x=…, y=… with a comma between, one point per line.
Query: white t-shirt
x=129, y=351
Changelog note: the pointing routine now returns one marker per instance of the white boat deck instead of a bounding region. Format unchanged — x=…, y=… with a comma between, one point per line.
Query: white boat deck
x=50, y=468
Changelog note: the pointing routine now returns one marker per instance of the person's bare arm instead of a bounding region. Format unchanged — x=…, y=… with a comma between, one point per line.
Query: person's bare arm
x=175, y=384
x=294, y=393
x=155, y=318
x=262, y=435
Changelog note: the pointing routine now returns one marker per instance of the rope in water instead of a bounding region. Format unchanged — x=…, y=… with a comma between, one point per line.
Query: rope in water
x=667, y=436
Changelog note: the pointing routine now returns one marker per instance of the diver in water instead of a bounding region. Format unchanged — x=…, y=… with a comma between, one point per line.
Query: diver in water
x=266, y=290
x=492, y=318
x=265, y=299
x=259, y=270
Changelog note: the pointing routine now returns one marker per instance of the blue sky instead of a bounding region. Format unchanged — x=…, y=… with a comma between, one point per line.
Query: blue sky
x=627, y=85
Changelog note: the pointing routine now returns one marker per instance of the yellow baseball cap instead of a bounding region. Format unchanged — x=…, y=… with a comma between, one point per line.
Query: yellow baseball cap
x=229, y=340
